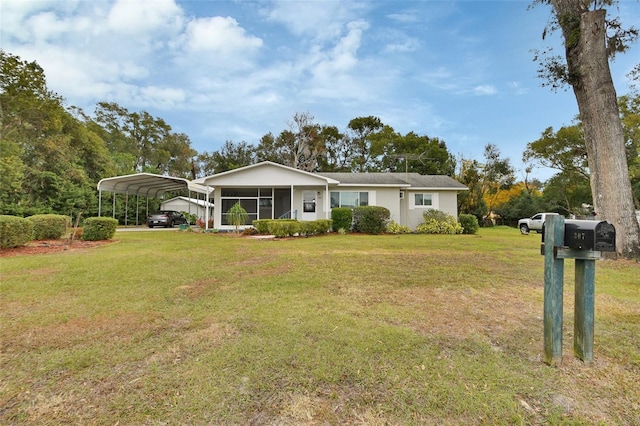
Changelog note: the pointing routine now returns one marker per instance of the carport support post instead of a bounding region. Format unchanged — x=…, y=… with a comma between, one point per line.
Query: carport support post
x=553, y=287
x=584, y=309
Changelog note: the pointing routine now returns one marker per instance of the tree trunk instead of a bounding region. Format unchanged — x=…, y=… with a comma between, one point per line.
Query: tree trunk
x=589, y=74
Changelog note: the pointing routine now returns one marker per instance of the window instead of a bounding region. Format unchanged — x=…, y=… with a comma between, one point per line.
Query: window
x=425, y=200
x=239, y=192
x=309, y=201
x=258, y=202
x=250, y=206
x=349, y=199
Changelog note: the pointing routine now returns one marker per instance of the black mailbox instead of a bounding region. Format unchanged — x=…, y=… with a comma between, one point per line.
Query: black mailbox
x=590, y=235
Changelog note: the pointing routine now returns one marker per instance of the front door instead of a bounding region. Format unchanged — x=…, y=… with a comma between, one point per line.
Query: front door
x=282, y=203
x=309, y=205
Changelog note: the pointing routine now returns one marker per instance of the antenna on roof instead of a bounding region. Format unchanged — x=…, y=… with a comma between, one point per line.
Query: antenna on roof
x=410, y=156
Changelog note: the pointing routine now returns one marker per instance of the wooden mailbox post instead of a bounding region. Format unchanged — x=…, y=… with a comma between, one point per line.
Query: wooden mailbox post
x=582, y=240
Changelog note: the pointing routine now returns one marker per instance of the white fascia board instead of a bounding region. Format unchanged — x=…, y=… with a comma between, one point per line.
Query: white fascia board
x=210, y=180
x=202, y=189
x=364, y=185
x=417, y=188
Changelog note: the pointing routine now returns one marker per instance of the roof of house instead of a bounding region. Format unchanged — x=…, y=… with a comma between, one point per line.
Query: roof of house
x=411, y=180
x=208, y=180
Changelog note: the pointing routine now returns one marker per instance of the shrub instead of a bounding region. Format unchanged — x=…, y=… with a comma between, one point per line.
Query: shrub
x=324, y=225
x=396, y=228
x=370, y=219
x=261, y=225
x=249, y=230
x=290, y=227
x=438, y=222
x=237, y=216
x=201, y=224
x=49, y=226
x=469, y=223
x=342, y=218
x=315, y=227
x=191, y=218
x=15, y=231
x=76, y=233
x=99, y=228
x=307, y=228
x=283, y=228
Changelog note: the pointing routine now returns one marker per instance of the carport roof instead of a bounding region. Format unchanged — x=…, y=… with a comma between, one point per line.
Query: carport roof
x=148, y=185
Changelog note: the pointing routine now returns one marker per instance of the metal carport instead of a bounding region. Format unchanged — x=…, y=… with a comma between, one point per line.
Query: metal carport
x=148, y=185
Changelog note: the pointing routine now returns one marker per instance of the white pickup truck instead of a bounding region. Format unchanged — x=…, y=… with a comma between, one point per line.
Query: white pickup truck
x=533, y=223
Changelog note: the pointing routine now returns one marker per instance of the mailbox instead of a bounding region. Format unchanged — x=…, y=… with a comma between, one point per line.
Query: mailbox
x=588, y=235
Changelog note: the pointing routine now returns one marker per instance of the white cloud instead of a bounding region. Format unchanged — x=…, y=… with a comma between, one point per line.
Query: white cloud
x=406, y=17
x=322, y=20
x=143, y=17
x=218, y=34
x=46, y=26
x=161, y=97
x=334, y=71
x=517, y=88
x=401, y=45
x=344, y=55
x=84, y=77
x=22, y=20
x=485, y=89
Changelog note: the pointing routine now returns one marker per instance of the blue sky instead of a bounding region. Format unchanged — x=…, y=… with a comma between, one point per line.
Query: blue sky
x=461, y=71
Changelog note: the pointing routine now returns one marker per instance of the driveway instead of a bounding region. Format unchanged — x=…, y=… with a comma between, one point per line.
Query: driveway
x=145, y=228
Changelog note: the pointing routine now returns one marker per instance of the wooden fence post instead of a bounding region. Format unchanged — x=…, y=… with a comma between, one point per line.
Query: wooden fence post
x=553, y=288
x=584, y=309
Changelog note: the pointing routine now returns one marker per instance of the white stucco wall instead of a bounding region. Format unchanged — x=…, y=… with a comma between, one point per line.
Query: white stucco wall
x=446, y=201
x=264, y=175
x=323, y=210
x=388, y=197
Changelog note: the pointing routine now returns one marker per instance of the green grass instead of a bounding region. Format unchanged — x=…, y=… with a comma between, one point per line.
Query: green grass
x=187, y=328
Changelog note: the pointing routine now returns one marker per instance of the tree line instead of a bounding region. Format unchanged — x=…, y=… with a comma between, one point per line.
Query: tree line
x=367, y=145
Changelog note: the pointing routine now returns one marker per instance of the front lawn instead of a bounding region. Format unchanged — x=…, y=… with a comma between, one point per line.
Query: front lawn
x=188, y=328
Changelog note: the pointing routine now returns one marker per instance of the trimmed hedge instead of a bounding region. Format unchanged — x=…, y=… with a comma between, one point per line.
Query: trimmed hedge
x=283, y=228
x=342, y=218
x=370, y=219
x=314, y=227
x=289, y=227
x=15, y=231
x=324, y=225
x=261, y=225
x=49, y=226
x=99, y=228
x=469, y=223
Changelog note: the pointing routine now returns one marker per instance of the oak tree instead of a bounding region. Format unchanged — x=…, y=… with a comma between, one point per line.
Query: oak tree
x=590, y=40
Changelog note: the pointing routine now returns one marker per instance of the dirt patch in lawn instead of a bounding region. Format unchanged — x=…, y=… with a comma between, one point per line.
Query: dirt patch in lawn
x=51, y=246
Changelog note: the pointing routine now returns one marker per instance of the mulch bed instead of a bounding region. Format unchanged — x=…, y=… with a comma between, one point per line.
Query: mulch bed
x=50, y=246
